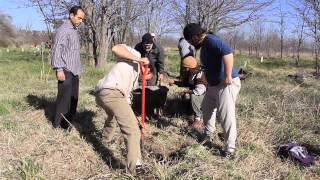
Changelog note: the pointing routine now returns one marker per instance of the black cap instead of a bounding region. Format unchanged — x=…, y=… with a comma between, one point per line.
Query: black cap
x=191, y=30
x=147, y=38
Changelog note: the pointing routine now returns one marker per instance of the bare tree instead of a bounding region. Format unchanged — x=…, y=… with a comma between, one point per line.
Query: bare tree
x=299, y=30
x=215, y=15
x=106, y=21
x=100, y=18
x=258, y=33
x=156, y=18
x=309, y=10
x=52, y=12
x=182, y=11
x=282, y=27
x=129, y=11
x=271, y=42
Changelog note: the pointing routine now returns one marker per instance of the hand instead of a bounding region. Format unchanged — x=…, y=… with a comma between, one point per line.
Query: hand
x=60, y=76
x=228, y=80
x=171, y=82
x=145, y=61
x=189, y=91
x=149, y=76
x=160, y=77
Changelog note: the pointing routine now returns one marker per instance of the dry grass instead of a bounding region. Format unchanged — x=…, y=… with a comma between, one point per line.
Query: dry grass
x=272, y=110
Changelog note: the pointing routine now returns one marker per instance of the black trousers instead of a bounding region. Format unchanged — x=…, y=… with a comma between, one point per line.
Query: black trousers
x=67, y=99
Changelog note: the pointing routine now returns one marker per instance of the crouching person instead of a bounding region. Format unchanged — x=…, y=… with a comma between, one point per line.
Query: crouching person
x=113, y=95
x=198, y=83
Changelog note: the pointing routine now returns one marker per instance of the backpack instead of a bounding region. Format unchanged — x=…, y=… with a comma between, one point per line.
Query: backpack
x=296, y=153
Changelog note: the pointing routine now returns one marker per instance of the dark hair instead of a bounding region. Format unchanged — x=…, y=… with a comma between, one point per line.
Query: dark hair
x=147, y=38
x=191, y=30
x=74, y=10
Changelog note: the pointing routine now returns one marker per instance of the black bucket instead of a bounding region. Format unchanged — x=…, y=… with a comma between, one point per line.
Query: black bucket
x=156, y=97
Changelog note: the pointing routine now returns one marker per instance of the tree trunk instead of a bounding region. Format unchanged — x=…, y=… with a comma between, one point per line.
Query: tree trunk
x=317, y=60
x=95, y=47
x=103, y=46
x=188, y=13
x=281, y=46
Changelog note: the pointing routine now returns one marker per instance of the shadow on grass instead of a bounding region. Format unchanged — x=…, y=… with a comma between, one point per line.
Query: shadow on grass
x=313, y=148
x=205, y=140
x=91, y=134
x=171, y=158
x=84, y=124
x=42, y=102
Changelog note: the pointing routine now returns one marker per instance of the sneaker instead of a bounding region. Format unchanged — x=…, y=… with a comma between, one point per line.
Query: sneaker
x=229, y=154
x=139, y=170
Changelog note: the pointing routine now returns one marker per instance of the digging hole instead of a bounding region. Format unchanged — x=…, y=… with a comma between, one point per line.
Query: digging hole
x=171, y=158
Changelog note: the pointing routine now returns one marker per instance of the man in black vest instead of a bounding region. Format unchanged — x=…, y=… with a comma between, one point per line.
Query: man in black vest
x=155, y=53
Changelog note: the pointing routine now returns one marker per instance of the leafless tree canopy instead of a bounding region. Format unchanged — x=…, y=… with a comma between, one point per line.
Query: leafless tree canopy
x=156, y=18
x=107, y=21
x=125, y=21
x=215, y=15
x=309, y=11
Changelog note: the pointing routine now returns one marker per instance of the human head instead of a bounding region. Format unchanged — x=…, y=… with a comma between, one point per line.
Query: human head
x=189, y=62
x=194, y=34
x=76, y=15
x=149, y=74
x=147, y=41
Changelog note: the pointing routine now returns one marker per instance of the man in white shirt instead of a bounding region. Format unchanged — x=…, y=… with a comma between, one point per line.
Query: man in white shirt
x=113, y=95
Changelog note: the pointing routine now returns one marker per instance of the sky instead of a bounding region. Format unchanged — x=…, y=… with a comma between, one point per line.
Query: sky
x=22, y=16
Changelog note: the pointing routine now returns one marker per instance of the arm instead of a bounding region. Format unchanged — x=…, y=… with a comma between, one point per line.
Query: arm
x=122, y=52
x=161, y=63
x=58, y=49
x=199, y=89
x=185, y=49
x=228, y=64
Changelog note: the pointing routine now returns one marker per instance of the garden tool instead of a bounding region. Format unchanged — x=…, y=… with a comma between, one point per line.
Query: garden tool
x=144, y=71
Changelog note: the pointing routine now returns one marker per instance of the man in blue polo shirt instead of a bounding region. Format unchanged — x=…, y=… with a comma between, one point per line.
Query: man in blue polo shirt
x=223, y=83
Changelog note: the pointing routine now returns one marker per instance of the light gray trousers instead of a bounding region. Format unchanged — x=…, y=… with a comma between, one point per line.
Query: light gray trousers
x=219, y=101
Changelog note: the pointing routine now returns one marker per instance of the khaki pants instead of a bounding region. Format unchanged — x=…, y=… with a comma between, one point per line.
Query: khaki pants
x=119, y=111
x=221, y=99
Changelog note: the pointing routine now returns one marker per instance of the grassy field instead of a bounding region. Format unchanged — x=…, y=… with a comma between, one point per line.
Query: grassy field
x=272, y=109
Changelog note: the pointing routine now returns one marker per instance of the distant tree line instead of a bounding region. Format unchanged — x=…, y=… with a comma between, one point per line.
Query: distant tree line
x=117, y=21
x=12, y=36
x=241, y=22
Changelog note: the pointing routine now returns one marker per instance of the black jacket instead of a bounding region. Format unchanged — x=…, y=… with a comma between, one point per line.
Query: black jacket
x=155, y=56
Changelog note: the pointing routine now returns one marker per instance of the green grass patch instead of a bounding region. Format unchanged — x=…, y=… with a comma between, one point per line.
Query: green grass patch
x=295, y=173
x=288, y=133
x=30, y=170
x=271, y=110
x=197, y=151
x=232, y=173
x=172, y=63
x=3, y=110
x=8, y=125
x=317, y=171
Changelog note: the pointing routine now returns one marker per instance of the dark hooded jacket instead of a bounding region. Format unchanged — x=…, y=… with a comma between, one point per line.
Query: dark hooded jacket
x=155, y=56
